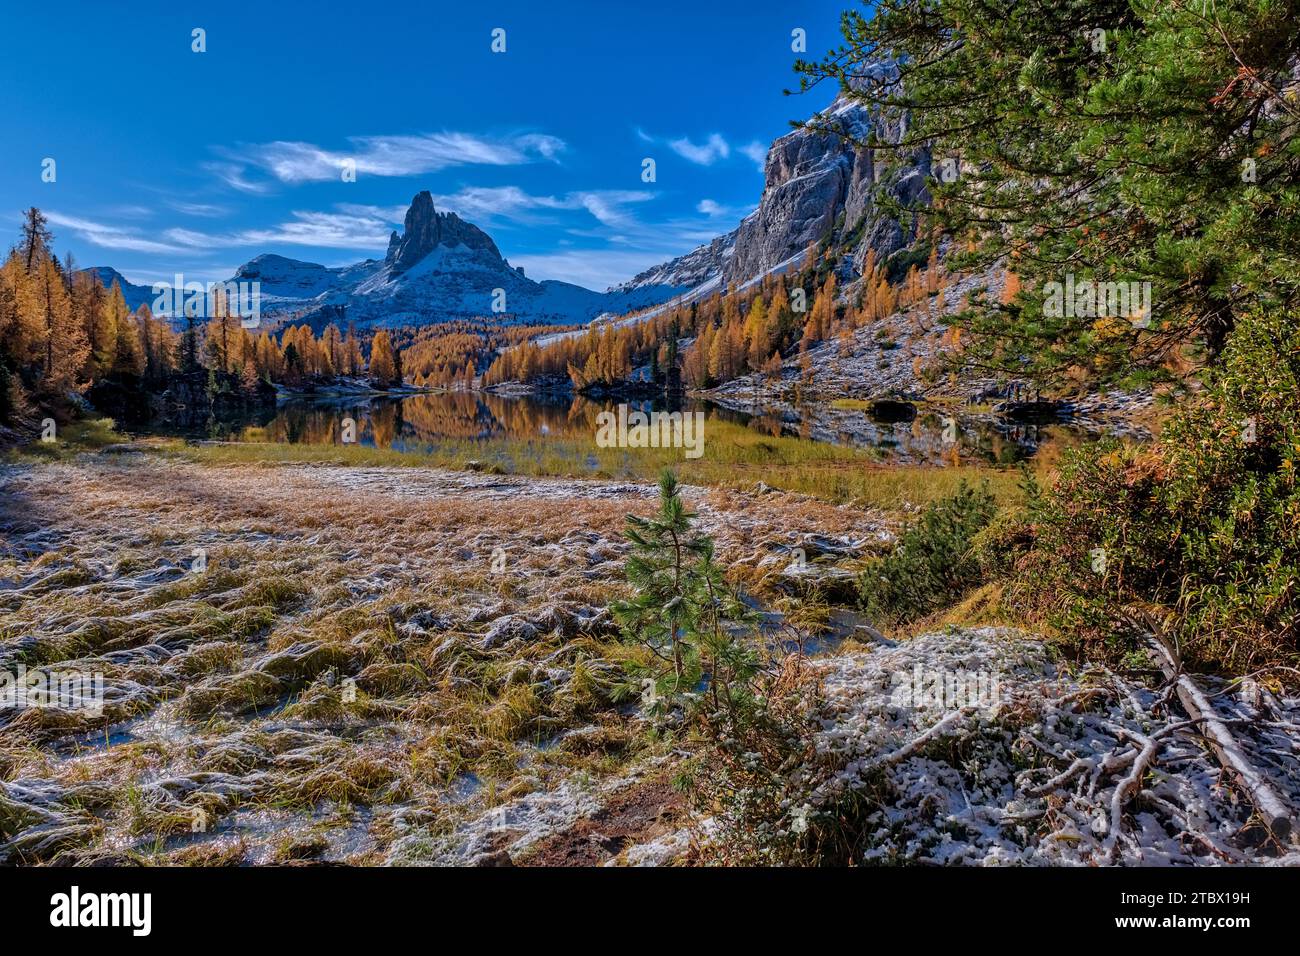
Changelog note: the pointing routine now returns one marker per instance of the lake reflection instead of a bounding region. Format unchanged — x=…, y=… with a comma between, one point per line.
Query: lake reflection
x=427, y=421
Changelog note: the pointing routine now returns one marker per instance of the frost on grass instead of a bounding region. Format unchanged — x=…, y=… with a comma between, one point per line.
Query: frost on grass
x=1083, y=769
x=400, y=665
x=357, y=676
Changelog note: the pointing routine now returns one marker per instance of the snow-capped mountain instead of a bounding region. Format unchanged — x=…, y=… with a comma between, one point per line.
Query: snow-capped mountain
x=439, y=268
x=293, y=281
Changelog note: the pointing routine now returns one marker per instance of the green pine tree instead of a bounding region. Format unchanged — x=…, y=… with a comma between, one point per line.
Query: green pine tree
x=683, y=610
x=1114, y=140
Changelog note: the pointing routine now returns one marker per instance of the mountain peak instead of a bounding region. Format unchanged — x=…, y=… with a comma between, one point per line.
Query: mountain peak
x=425, y=229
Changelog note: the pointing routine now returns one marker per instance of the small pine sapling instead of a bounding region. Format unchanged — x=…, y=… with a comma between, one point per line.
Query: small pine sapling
x=683, y=611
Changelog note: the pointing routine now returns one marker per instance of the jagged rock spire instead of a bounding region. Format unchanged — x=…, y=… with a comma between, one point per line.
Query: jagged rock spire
x=425, y=229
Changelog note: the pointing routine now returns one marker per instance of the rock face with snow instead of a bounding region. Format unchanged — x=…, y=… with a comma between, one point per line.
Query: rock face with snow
x=289, y=281
x=821, y=184
x=439, y=268
x=696, y=268
x=425, y=229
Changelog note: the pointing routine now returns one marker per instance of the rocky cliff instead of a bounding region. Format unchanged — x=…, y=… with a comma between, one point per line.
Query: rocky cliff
x=425, y=229
x=821, y=185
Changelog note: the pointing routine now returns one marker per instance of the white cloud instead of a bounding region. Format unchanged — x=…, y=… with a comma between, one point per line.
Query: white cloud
x=190, y=238
x=484, y=204
x=323, y=229
x=357, y=227
x=706, y=154
x=487, y=204
x=716, y=210
x=297, y=162
x=548, y=147
x=203, y=210
x=393, y=214
x=711, y=150
x=110, y=237
x=757, y=152
x=232, y=174
x=607, y=204
x=131, y=212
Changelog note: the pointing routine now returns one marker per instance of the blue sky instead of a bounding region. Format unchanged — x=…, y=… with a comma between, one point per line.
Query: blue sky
x=174, y=161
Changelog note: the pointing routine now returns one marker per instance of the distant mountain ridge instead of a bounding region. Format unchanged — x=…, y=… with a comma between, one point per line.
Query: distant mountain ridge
x=696, y=268
x=439, y=268
x=135, y=295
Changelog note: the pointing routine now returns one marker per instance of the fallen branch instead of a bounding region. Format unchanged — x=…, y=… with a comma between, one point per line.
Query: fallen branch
x=1275, y=813
x=917, y=743
x=1129, y=785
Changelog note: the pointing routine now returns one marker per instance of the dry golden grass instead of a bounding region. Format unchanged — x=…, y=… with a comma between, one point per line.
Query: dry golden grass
x=353, y=639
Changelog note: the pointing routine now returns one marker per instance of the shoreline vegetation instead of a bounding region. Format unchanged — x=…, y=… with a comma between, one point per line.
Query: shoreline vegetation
x=846, y=476
x=739, y=459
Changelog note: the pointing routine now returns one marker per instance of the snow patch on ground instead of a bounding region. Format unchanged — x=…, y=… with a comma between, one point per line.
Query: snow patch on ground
x=1034, y=783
